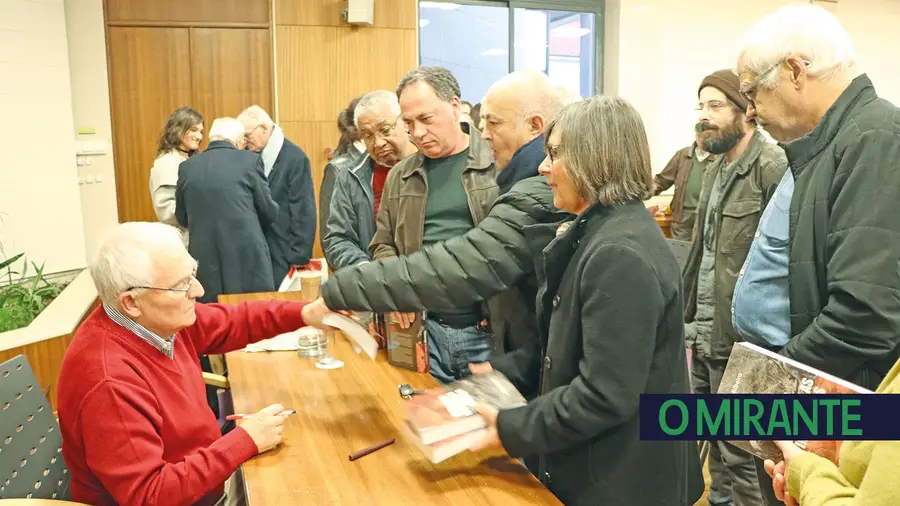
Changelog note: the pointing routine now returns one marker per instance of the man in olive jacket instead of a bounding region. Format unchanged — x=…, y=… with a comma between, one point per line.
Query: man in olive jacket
x=736, y=188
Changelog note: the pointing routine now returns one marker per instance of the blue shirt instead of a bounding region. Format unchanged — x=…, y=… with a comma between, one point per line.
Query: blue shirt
x=761, y=307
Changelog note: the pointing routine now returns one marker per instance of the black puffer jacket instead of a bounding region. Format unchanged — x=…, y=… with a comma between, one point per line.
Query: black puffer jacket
x=492, y=258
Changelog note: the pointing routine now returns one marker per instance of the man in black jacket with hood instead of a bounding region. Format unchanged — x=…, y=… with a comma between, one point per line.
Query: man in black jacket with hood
x=493, y=258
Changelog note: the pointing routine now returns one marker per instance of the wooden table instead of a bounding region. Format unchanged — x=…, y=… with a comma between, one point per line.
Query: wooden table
x=344, y=410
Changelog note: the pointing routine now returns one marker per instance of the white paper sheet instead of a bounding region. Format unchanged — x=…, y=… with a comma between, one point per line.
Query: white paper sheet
x=358, y=334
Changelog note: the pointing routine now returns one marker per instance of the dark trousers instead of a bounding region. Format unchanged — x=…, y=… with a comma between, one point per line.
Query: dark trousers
x=733, y=479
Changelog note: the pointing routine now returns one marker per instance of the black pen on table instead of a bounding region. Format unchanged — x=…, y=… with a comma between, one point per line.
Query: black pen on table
x=372, y=449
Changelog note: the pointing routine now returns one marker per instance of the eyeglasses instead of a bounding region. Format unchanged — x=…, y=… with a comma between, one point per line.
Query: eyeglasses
x=384, y=130
x=749, y=91
x=553, y=153
x=714, y=106
x=186, y=289
x=248, y=134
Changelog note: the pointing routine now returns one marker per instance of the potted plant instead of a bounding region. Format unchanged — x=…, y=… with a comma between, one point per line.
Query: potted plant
x=23, y=298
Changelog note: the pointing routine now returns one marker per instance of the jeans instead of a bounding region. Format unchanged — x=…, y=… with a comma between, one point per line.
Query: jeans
x=451, y=350
x=732, y=471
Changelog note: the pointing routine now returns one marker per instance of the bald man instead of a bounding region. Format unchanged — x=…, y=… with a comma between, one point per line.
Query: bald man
x=515, y=111
x=494, y=260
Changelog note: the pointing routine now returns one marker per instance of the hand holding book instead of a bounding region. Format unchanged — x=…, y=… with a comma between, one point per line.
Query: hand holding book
x=490, y=438
x=778, y=472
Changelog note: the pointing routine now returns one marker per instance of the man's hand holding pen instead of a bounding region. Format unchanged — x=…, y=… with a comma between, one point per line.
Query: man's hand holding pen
x=266, y=426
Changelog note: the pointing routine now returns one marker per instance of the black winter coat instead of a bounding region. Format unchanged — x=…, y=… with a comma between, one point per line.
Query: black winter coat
x=845, y=239
x=491, y=258
x=609, y=312
x=223, y=197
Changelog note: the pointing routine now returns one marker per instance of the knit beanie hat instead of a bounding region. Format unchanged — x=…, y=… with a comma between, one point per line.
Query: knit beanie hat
x=728, y=83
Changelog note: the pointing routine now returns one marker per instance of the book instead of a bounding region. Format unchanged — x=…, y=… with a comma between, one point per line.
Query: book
x=447, y=411
x=408, y=348
x=443, y=450
x=358, y=335
x=755, y=370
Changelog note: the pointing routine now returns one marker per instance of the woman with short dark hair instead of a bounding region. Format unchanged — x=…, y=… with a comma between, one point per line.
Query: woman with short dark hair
x=180, y=139
x=610, y=316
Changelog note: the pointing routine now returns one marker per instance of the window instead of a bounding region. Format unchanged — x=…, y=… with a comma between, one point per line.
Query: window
x=481, y=41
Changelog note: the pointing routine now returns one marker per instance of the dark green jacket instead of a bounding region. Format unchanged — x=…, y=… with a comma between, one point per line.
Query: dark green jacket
x=845, y=239
x=491, y=258
x=750, y=183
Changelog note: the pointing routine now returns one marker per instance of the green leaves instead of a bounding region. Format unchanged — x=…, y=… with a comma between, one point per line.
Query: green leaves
x=22, y=300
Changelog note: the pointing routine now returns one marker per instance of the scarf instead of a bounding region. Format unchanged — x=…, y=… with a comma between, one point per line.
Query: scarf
x=273, y=147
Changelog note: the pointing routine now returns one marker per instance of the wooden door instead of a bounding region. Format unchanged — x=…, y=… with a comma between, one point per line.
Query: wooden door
x=231, y=69
x=149, y=77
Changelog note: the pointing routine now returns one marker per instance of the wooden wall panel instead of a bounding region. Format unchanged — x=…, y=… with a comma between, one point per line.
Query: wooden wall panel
x=320, y=69
x=181, y=11
x=388, y=13
x=232, y=70
x=322, y=63
x=150, y=76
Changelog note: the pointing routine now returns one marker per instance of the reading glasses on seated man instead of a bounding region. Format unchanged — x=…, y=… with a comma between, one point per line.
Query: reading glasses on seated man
x=186, y=288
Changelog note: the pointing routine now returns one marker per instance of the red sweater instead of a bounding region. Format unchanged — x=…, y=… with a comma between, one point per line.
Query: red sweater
x=379, y=177
x=136, y=427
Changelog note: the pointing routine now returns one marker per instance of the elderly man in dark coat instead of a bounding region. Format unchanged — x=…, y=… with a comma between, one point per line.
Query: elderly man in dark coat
x=286, y=167
x=223, y=194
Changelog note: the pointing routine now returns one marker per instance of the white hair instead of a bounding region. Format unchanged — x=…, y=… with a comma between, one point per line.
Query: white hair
x=255, y=115
x=372, y=101
x=226, y=129
x=806, y=30
x=126, y=257
x=534, y=91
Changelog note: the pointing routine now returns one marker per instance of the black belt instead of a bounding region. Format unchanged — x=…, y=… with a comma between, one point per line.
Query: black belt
x=456, y=321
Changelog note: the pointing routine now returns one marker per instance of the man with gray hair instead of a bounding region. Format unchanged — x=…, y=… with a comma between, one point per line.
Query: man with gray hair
x=823, y=287
x=223, y=194
x=131, y=398
x=286, y=168
x=358, y=192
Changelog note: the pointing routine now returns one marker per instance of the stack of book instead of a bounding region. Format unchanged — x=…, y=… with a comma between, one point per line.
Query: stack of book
x=443, y=422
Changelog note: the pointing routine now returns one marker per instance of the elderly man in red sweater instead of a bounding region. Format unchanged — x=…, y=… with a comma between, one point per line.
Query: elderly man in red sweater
x=135, y=424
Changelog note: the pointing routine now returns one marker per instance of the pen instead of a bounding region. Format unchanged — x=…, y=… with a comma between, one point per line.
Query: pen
x=372, y=449
x=242, y=416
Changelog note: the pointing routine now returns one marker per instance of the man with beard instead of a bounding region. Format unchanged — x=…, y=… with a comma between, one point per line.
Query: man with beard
x=736, y=188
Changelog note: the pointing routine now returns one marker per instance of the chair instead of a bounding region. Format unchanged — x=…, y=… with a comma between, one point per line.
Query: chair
x=31, y=463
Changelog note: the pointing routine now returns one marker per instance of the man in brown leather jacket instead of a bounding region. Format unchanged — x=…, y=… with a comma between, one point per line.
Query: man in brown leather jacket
x=441, y=192
x=736, y=188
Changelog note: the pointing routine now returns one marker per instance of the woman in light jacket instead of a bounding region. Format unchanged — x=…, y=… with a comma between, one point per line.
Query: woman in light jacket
x=609, y=312
x=180, y=139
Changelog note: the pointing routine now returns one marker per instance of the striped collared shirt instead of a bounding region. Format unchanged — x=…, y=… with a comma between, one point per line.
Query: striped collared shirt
x=165, y=346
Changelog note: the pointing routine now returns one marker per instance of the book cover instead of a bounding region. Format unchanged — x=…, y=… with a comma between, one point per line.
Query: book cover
x=408, y=348
x=447, y=411
x=755, y=370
